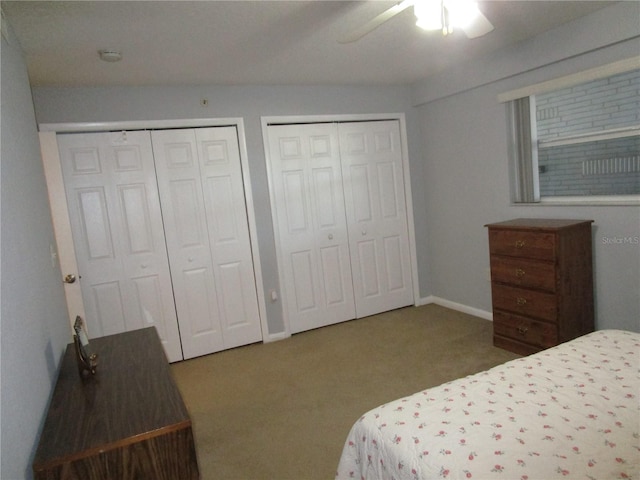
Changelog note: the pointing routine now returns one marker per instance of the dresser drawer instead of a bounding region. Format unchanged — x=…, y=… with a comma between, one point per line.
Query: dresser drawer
x=530, y=303
x=524, y=272
x=520, y=243
x=523, y=329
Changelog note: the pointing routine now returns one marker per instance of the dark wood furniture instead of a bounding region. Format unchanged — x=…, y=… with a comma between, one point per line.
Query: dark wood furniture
x=541, y=282
x=127, y=422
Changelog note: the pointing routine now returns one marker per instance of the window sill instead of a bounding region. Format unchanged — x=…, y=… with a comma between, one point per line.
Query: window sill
x=605, y=200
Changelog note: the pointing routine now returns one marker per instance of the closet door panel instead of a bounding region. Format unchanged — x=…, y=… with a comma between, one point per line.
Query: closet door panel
x=141, y=238
x=366, y=261
x=234, y=302
x=360, y=194
x=201, y=308
x=100, y=269
x=334, y=288
x=105, y=308
x=303, y=268
x=228, y=229
x=296, y=206
x=151, y=302
x=393, y=250
x=311, y=225
x=185, y=212
x=181, y=195
x=376, y=214
x=93, y=215
x=118, y=234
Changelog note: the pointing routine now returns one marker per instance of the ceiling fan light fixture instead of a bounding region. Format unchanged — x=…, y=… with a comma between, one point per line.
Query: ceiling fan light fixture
x=444, y=15
x=428, y=14
x=462, y=12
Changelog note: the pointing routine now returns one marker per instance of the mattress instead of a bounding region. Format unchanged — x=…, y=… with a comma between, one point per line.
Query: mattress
x=571, y=411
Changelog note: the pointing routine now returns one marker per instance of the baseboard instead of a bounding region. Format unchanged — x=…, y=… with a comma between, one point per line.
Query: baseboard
x=476, y=312
x=274, y=337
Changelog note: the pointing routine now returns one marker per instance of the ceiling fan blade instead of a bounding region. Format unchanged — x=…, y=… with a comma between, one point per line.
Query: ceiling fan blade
x=375, y=22
x=479, y=27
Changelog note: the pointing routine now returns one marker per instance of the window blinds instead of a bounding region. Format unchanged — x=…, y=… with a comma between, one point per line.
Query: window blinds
x=523, y=150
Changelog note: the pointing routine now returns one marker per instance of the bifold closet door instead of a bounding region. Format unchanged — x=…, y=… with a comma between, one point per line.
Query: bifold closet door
x=372, y=173
x=118, y=235
x=204, y=211
x=311, y=224
x=340, y=213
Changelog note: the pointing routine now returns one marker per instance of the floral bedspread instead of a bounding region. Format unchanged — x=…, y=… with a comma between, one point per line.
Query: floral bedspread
x=571, y=411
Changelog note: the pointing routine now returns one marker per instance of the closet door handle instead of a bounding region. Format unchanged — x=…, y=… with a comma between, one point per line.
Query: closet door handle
x=330, y=236
x=364, y=232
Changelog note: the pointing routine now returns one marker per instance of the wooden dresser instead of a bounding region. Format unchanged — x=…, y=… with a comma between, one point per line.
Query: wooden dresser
x=126, y=422
x=541, y=282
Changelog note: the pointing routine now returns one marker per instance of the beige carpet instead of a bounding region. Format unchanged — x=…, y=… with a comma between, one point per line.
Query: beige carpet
x=282, y=410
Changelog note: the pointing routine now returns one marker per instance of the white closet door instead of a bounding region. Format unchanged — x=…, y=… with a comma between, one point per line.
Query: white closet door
x=226, y=212
x=185, y=223
x=371, y=157
x=204, y=210
x=118, y=234
x=311, y=224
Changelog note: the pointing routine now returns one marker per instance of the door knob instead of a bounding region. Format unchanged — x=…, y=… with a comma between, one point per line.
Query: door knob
x=331, y=236
x=71, y=278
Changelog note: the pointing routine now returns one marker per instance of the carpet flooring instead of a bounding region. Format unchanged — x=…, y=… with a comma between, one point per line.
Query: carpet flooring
x=282, y=410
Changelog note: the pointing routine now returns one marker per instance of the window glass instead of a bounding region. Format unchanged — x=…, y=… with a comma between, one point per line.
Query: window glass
x=588, y=138
x=609, y=167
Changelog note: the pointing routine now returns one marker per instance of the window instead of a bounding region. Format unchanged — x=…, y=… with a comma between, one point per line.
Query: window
x=578, y=140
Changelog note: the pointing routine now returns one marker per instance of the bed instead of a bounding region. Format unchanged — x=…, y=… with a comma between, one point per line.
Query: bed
x=571, y=411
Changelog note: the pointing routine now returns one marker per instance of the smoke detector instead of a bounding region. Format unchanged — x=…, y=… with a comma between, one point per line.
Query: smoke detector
x=110, y=55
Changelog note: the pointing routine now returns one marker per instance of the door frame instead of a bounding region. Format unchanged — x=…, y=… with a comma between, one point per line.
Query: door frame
x=60, y=212
x=266, y=121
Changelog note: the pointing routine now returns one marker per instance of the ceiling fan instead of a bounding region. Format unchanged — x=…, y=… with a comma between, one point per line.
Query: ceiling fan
x=432, y=15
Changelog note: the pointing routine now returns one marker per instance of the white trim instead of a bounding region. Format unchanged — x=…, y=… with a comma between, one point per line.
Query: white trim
x=338, y=118
x=585, y=201
x=596, y=73
x=275, y=337
x=61, y=223
x=363, y=117
x=57, y=200
x=601, y=200
x=459, y=307
x=253, y=230
x=276, y=231
x=612, y=134
x=74, y=127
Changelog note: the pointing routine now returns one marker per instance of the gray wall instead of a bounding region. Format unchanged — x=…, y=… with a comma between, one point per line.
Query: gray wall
x=56, y=105
x=457, y=150
x=34, y=326
x=464, y=145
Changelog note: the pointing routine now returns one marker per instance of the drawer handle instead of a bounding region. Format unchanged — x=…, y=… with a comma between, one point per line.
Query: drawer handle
x=519, y=243
x=522, y=330
x=519, y=273
x=521, y=301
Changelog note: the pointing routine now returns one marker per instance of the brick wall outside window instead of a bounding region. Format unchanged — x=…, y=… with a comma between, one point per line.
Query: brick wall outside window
x=606, y=167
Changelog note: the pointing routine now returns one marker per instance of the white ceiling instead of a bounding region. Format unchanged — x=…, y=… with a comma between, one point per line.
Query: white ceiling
x=256, y=42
